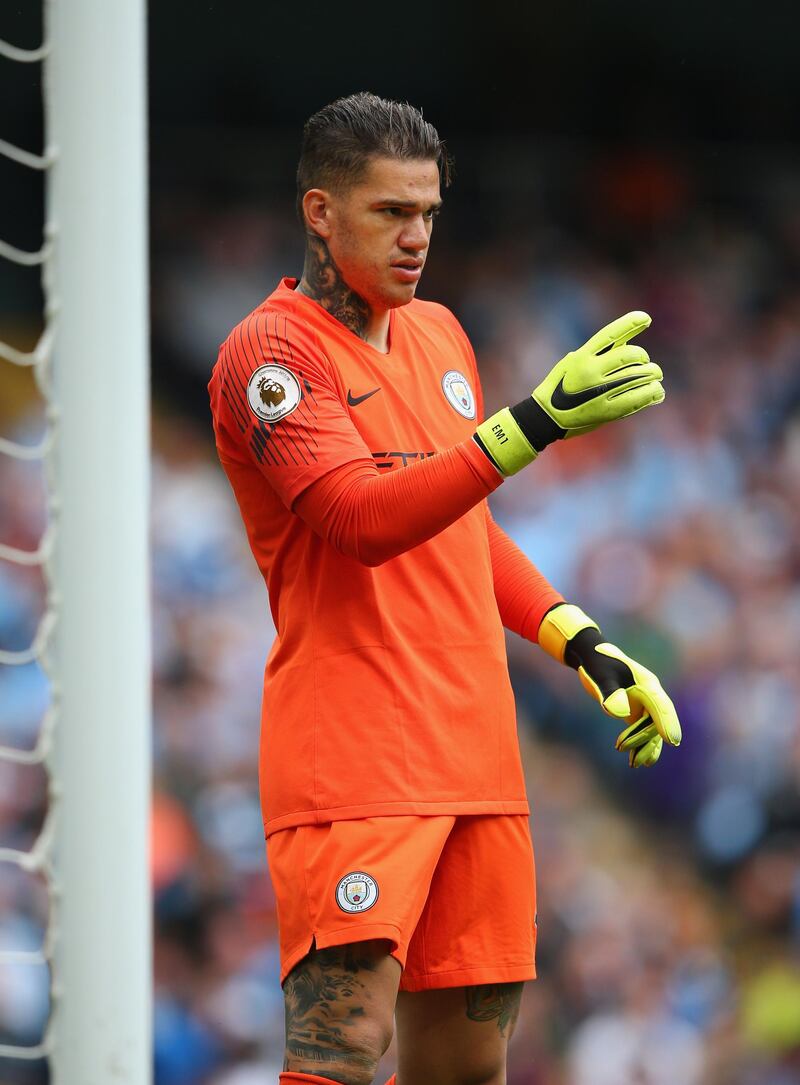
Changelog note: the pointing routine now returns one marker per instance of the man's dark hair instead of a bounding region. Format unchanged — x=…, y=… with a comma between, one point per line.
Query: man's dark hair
x=339, y=140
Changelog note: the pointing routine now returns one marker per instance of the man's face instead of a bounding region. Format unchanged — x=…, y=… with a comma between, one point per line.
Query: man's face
x=380, y=229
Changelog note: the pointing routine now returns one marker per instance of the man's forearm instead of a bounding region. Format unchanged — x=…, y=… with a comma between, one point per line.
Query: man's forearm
x=373, y=517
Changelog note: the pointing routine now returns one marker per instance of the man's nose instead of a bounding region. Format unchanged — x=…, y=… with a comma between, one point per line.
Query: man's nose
x=415, y=235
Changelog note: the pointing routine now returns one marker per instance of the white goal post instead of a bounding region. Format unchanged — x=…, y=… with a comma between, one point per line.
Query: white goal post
x=92, y=642
x=91, y=368
x=98, y=467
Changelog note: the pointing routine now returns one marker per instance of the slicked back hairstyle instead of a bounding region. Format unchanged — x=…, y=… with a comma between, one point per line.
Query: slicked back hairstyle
x=339, y=140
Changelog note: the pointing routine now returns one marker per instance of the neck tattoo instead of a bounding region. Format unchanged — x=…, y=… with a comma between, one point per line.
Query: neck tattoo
x=322, y=282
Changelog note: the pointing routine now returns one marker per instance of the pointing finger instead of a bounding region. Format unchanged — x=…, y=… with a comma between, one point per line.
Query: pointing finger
x=619, y=331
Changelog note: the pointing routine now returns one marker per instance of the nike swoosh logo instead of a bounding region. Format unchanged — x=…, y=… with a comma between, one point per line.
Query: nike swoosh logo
x=566, y=401
x=353, y=401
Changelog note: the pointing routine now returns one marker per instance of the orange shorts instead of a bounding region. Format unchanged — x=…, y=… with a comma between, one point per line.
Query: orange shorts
x=455, y=896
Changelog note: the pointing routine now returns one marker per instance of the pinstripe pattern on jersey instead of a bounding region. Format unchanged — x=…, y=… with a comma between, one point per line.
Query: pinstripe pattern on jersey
x=262, y=340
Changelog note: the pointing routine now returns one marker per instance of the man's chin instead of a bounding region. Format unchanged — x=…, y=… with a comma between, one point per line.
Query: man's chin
x=399, y=295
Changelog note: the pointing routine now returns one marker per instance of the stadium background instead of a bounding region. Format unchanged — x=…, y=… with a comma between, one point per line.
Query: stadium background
x=608, y=158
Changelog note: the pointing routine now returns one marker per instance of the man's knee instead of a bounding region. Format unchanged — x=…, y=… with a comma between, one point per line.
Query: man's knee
x=482, y=1068
x=348, y=1056
x=486, y=1075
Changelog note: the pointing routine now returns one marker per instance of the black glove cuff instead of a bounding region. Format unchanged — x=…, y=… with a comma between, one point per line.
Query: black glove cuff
x=581, y=648
x=539, y=428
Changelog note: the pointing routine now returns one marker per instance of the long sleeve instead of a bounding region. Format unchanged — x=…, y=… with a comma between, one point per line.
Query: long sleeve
x=374, y=517
x=523, y=594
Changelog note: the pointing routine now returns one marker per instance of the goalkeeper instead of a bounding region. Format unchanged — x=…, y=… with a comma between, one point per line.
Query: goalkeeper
x=348, y=418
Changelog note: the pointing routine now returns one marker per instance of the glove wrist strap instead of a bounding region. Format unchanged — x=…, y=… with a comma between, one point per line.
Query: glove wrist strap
x=559, y=626
x=539, y=428
x=515, y=436
x=502, y=440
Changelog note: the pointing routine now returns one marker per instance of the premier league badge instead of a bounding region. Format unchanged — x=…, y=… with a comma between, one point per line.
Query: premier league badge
x=273, y=392
x=356, y=892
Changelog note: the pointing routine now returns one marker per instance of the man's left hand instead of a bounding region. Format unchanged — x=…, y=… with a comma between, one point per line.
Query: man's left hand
x=624, y=688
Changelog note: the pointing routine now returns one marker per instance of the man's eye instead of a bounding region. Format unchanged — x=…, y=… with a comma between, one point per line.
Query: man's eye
x=405, y=212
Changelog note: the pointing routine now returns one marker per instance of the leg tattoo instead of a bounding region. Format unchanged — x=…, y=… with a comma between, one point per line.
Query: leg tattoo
x=495, y=1002
x=324, y=995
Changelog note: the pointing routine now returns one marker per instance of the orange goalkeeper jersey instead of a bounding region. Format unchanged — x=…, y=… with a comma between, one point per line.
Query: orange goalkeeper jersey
x=387, y=688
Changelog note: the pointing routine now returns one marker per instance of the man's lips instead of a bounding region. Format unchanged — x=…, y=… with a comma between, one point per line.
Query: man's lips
x=408, y=271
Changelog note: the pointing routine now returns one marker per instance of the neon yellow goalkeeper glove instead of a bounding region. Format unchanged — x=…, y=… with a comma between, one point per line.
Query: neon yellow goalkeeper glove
x=624, y=688
x=603, y=380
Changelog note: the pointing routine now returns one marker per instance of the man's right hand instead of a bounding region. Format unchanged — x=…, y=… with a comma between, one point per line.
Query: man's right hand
x=603, y=380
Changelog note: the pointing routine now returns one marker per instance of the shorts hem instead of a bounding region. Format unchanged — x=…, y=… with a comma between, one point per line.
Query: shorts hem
x=468, y=977
x=342, y=936
x=401, y=808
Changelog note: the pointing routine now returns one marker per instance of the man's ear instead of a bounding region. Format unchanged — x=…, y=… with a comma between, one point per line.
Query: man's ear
x=317, y=211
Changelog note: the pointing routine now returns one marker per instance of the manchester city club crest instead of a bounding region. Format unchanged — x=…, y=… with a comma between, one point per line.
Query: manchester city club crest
x=356, y=892
x=458, y=393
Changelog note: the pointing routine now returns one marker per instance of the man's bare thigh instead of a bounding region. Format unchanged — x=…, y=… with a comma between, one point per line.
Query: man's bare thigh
x=339, y=1005
x=457, y=1034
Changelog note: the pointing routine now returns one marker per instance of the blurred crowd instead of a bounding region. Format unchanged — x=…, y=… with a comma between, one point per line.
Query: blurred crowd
x=669, y=898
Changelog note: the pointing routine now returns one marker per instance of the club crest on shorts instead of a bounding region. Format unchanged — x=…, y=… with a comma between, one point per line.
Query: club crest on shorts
x=458, y=393
x=356, y=892
x=273, y=391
